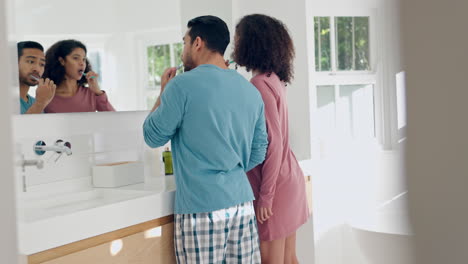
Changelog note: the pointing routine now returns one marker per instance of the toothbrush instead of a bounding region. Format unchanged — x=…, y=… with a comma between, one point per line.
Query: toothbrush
x=180, y=66
x=35, y=78
x=92, y=77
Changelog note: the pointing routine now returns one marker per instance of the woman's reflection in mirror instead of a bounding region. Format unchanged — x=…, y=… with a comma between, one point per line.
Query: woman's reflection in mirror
x=77, y=86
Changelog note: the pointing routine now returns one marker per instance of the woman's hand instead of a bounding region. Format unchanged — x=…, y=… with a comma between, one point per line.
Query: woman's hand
x=263, y=214
x=93, y=83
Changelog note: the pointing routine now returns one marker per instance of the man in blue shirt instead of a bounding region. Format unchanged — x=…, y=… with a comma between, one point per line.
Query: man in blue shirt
x=215, y=120
x=31, y=63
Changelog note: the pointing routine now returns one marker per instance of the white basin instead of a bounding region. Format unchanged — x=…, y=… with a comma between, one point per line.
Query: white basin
x=385, y=235
x=49, y=220
x=31, y=209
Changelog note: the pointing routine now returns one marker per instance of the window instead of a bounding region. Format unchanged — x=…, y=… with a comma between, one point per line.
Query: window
x=343, y=111
x=95, y=60
x=159, y=58
x=322, y=44
x=342, y=44
x=401, y=105
x=344, y=79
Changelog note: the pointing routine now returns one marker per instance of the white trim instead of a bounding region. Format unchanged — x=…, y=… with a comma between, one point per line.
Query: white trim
x=353, y=31
x=373, y=47
x=90, y=40
x=317, y=36
x=333, y=51
x=326, y=79
x=172, y=54
x=340, y=11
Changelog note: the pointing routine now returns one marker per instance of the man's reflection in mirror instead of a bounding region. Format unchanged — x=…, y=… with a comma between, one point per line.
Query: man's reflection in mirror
x=31, y=63
x=77, y=85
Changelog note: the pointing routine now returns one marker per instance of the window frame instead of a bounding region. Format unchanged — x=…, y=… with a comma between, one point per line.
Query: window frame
x=336, y=77
x=172, y=62
x=143, y=40
x=333, y=52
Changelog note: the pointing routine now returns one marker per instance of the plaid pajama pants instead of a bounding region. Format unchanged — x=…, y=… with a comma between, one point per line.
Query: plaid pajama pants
x=223, y=236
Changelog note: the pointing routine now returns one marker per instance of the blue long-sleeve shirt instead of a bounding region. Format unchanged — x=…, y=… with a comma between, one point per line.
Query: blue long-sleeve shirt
x=215, y=120
x=26, y=105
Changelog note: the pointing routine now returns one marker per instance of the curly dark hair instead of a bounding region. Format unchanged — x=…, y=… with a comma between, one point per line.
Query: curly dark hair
x=263, y=43
x=54, y=70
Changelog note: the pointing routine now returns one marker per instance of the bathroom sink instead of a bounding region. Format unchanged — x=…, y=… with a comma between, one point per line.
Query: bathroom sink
x=32, y=209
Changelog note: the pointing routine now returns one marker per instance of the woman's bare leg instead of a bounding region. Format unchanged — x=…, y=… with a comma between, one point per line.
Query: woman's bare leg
x=290, y=250
x=272, y=251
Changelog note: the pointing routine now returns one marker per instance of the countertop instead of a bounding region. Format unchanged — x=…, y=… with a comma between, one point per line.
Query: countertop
x=84, y=219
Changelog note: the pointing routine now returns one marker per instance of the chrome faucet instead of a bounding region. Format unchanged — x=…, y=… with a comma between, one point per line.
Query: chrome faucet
x=40, y=149
x=59, y=147
x=39, y=163
x=34, y=162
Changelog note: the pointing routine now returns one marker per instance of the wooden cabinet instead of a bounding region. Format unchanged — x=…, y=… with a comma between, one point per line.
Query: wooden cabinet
x=151, y=242
x=147, y=243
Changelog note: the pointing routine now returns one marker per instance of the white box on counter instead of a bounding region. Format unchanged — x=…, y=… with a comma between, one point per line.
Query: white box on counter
x=118, y=174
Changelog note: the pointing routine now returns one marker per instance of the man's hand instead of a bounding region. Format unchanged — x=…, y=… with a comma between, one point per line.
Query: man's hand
x=168, y=75
x=44, y=93
x=263, y=214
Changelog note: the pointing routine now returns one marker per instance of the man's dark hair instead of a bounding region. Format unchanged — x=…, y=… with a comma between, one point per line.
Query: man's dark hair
x=212, y=30
x=27, y=45
x=54, y=69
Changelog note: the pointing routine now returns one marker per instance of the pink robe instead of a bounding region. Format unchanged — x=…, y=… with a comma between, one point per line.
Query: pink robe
x=83, y=101
x=279, y=182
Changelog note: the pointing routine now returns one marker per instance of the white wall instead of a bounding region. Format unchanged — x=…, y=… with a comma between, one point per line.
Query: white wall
x=192, y=9
x=56, y=17
x=119, y=139
x=389, y=64
x=8, y=239
x=435, y=51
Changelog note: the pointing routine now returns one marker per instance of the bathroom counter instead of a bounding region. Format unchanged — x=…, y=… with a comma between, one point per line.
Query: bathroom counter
x=81, y=219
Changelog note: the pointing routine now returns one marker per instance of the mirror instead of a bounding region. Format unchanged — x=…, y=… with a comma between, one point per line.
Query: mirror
x=129, y=43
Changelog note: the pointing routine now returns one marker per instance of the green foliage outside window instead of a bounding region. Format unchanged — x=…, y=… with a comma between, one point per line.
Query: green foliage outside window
x=159, y=59
x=322, y=44
x=351, y=43
x=361, y=32
x=178, y=49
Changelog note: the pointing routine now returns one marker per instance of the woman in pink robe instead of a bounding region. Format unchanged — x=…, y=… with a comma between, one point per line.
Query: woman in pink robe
x=263, y=45
x=77, y=86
